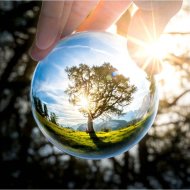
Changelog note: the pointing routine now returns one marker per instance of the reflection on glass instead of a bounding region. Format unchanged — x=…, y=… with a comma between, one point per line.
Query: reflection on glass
x=90, y=99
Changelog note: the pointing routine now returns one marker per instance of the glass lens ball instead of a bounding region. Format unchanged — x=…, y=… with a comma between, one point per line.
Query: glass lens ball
x=90, y=99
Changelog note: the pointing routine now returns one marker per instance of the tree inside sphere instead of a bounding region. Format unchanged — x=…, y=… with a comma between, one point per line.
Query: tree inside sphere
x=90, y=99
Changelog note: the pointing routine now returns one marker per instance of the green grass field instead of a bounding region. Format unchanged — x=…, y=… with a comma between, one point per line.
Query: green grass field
x=83, y=141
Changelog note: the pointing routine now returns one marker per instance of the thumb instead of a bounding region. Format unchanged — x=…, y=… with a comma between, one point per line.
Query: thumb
x=146, y=27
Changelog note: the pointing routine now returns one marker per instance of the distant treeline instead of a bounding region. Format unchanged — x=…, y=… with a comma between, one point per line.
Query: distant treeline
x=42, y=109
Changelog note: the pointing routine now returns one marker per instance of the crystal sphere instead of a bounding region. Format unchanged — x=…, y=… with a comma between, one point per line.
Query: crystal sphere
x=90, y=99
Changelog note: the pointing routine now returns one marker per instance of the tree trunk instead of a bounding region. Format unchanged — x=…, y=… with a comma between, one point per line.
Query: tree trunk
x=90, y=124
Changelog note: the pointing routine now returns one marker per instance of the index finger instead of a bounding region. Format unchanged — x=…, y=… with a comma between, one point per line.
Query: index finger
x=49, y=23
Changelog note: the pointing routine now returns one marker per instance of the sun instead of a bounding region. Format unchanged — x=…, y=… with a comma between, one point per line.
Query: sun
x=83, y=102
x=155, y=50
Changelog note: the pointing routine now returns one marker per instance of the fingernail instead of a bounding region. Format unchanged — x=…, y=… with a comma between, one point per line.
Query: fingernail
x=33, y=54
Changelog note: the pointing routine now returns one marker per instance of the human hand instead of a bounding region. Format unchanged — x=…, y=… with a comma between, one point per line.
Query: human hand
x=61, y=18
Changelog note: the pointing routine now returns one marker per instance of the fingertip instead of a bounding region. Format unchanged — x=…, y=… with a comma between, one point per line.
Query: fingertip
x=49, y=24
x=47, y=33
x=32, y=53
x=36, y=54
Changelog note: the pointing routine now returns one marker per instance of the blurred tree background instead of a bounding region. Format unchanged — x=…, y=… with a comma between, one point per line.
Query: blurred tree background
x=28, y=160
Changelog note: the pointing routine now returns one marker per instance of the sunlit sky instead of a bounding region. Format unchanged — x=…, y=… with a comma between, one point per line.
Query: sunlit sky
x=166, y=44
x=175, y=44
x=51, y=80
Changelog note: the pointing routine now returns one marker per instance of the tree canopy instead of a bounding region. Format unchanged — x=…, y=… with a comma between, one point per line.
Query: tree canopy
x=105, y=91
